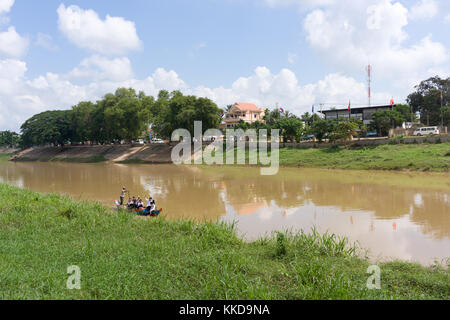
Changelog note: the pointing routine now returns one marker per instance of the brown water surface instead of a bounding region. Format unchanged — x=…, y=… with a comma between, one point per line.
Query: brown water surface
x=394, y=215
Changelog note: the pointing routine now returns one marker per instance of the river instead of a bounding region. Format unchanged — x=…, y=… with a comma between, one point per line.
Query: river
x=394, y=215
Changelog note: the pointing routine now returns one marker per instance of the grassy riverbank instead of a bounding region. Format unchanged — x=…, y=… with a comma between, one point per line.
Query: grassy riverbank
x=125, y=257
x=5, y=157
x=92, y=159
x=422, y=157
x=393, y=157
x=411, y=157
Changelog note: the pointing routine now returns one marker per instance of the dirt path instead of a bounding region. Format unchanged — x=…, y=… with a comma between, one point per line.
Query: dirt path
x=131, y=152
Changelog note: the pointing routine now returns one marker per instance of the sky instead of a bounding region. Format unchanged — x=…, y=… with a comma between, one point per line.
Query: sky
x=290, y=53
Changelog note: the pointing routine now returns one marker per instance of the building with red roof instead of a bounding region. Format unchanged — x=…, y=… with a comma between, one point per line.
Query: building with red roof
x=247, y=112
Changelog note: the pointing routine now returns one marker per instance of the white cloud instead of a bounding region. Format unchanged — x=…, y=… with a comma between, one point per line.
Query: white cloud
x=350, y=35
x=267, y=89
x=196, y=49
x=5, y=6
x=425, y=9
x=20, y=97
x=84, y=28
x=100, y=68
x=447, y=18
x=11, y=73
x=301, y=3
x=12, y=111
x=45, y=41
x=12, y=44
x=292, y=57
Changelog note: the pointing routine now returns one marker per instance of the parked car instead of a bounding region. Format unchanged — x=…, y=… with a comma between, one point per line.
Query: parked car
x=425, y=131
x=307, y=138
x=157, y=141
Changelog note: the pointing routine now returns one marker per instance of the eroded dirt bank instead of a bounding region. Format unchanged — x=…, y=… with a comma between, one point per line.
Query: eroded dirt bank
x=157, y=153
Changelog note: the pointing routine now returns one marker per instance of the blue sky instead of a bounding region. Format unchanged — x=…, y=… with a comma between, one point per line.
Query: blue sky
x=296, y=53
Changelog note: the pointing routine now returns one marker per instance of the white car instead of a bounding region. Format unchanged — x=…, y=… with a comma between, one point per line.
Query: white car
x=425, y=131
x=157, y=141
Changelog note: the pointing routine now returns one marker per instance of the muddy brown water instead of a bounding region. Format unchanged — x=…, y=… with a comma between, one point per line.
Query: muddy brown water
x=394, y=215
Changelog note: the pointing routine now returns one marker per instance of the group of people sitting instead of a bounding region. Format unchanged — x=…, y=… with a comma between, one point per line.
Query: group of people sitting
x=137, y=203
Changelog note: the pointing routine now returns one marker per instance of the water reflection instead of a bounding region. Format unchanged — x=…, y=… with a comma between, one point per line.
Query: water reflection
x=395, y=215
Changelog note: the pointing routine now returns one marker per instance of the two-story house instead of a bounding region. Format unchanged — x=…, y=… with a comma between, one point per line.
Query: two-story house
x=247, y=112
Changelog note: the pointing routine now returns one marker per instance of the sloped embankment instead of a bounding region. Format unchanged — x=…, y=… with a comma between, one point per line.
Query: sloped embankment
x=120, y=153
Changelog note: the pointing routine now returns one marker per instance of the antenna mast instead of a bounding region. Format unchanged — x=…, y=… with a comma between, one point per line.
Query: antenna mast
x=369, y=83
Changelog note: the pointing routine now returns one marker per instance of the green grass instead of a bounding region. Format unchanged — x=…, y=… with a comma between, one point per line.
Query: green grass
x=125, y=257
x=5, y=156
x=411, y=157
x=423, y=157
x=92, y=159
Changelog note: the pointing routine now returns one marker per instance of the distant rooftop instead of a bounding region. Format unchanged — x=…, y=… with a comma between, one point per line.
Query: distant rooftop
x=247, y=106
x=358, y=108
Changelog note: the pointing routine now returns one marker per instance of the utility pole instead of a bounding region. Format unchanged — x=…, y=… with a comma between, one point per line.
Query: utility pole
x=442, y=114
x=412, y=121
x=369, y=84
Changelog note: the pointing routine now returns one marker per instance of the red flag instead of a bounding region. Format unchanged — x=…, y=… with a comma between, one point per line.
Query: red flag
x=392, y=101
x=349, y=105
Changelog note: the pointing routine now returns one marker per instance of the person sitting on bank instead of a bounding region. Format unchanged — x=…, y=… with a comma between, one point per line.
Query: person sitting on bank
x=134, y=203
x=130, y=204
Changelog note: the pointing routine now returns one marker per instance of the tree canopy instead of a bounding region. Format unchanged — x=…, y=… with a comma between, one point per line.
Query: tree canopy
x=9, y=139
x=427, y=100
x=123, y=115
x=384, y=120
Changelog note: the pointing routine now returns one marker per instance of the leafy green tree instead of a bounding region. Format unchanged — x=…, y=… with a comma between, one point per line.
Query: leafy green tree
x=384, y=120
x=81, y=122
x=361, y=127
x=9, y=139
x=120, y=116
x=427, y=99
x=406, y=111
x=290, y=128
x=180, y=112
x=50, y=127
x=446, y=115
x=343, y=131
x=271, y=117
x=320, y=129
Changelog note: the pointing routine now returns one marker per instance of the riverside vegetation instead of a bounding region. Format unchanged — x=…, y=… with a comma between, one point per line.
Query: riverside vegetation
x=125, y=257
x=410, y=157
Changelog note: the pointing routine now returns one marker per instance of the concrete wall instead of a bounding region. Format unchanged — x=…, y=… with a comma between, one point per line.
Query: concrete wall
x=363, y=142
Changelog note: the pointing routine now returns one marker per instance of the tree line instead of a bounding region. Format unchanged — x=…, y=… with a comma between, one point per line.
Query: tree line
x=122, y=116
x=9, y=139
x=127, y=115
x=293, y=128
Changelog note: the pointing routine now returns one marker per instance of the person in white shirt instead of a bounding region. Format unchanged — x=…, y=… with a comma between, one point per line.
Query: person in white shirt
x=149, y=204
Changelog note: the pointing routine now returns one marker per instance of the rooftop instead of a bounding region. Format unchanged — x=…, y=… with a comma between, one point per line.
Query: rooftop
x=358, y=108
x=247, y=106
